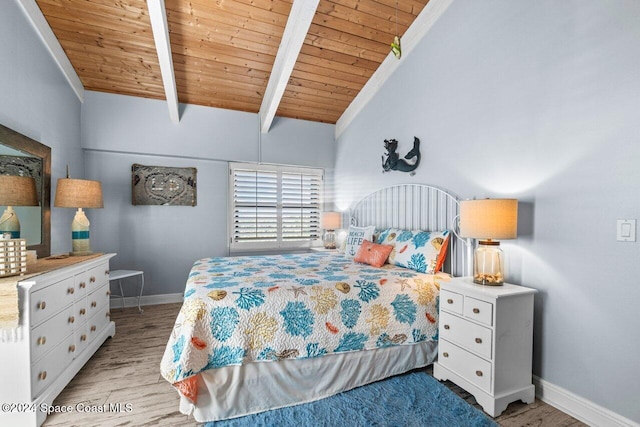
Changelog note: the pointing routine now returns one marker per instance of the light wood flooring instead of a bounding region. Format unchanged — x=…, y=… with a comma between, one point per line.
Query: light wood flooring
x=126, y=370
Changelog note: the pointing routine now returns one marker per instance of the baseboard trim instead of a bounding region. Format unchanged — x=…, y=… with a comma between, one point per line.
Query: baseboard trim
x=116, y=302
x=579, y=407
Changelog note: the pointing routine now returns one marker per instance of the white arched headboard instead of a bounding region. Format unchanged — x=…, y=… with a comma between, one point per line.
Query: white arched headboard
x=416, y=207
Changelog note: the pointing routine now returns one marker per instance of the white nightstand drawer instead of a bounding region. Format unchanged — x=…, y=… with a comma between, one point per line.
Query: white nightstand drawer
x=450, y=301
x=49, y=334
x=465, y=364
x=473, y=337
x=480, y=311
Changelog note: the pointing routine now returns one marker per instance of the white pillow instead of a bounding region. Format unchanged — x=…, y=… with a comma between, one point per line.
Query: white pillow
x=355, y=237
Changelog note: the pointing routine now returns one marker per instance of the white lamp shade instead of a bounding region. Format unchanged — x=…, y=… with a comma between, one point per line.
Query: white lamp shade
x=78, y=193
x=489, y=219
x=330, y=220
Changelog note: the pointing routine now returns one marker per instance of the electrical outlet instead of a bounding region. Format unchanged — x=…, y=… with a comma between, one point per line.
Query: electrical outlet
x=626, y=230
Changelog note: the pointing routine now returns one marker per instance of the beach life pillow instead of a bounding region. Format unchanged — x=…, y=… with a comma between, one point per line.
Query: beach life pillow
x=373, y=254
x=422, y=251
x=355, y=237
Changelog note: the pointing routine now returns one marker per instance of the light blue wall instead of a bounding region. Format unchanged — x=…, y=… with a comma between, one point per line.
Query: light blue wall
x=164, y=241
x=37, y=101
x=538, y=101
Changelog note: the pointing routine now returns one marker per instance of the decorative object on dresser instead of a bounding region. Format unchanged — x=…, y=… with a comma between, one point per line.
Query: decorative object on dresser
x=489, y=219
x=13, y=256
x=63, y=319
x=486, y=341
x=79, y=193
x=15, y=191
x=330, y=222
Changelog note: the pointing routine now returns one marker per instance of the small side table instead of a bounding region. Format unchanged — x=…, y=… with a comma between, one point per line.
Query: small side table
x=122, y=274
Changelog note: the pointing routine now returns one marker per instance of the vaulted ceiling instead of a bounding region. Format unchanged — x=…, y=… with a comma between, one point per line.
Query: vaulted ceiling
x=223, y=51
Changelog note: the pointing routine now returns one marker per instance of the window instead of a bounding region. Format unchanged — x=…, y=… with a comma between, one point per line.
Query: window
x=273, y=207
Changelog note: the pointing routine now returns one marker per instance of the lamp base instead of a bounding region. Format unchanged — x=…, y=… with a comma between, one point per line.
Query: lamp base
x=80, y=253
x=488, y=264
x=329, y=239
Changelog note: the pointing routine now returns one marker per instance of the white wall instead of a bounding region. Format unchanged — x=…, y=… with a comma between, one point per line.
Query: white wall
x=37, y=101
x=164, y=241
x=538, y=101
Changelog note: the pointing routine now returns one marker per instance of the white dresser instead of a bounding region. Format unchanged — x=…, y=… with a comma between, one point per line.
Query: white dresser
x=486, y=341
x=64, y=319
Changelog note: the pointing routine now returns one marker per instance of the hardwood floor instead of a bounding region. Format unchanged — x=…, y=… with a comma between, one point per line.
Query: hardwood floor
x=125, y=371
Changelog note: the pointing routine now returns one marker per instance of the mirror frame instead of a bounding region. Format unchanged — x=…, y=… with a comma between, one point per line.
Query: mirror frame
x=27, y=145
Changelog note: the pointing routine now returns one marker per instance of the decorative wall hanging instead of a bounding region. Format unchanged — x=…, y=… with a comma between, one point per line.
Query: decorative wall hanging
x=394, y=162
x=160, y=185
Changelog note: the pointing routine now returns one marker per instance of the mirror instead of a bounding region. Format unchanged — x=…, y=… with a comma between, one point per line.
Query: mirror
x=35, y=222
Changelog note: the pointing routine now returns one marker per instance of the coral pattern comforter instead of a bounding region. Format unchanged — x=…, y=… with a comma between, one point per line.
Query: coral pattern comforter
x=264, y=308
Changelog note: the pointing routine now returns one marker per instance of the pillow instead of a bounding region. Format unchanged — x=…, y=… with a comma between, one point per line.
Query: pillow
x=355, y=237
x=373, y=254
x=422, y=251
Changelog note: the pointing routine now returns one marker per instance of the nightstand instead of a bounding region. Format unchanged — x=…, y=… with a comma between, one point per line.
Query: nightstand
x=486, y=341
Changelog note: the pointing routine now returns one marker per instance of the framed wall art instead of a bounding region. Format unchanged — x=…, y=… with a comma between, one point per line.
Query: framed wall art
x=162, y=185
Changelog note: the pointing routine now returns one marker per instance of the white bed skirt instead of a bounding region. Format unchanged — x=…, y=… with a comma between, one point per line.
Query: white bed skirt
x=235, y=391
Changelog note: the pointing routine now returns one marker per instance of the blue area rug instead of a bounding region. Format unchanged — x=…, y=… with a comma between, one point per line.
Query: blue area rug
x=412, y=399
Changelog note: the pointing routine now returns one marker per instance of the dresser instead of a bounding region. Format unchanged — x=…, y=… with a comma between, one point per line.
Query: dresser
x=64, y=319
x=486, y=341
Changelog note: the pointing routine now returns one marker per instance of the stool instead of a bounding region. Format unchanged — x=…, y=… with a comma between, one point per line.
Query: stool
x=122, y=274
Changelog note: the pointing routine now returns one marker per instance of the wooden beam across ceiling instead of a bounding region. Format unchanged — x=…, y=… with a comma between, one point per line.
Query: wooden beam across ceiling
x=52, y=44
x=295, y=32
x=158, y=17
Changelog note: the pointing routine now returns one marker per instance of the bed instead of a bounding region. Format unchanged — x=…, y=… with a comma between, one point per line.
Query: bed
x=262, y=332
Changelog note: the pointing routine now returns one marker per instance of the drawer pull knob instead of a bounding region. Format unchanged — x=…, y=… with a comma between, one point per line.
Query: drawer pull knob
x=82, y=311
x=71, y=291
x=42, y=375
x=106, y=272
x=445, y=354
x=72, y=319
x=92, y=279
x=42, y=305
x=479, y=373
x=93, y=303
x=449, y=301
x=83, y=285
x=108, y=293
x=108, y=314
x=72, y=348
x=478, y=340
x=93, y=328
x=42, y=340
x=476, y=310
x=446, y=327
x=83, y=337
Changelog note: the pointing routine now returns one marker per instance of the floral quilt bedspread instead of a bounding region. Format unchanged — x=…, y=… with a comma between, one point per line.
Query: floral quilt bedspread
x=264, y=308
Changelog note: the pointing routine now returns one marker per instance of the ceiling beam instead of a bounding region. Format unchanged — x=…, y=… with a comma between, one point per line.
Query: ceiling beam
x=302, y=13
x=158, y=17
x=52, y=44
x=420, y=27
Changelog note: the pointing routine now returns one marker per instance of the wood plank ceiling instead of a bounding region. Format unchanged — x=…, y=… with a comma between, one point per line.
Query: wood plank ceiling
x=223, y=50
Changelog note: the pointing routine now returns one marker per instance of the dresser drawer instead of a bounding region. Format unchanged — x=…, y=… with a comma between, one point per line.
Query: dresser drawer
x=97, y=323
x=97, y=300
x=465, y=364
x=47, y=301
x=480, y=311
x=450, y=301
x=49, y=334
x=473, y=337
x=96, y=277
x=45, y=371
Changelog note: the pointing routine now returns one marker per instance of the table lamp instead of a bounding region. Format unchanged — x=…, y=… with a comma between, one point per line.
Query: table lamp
x=489, y=219
x=330, y=221
x=79, y=193
x=15, y=191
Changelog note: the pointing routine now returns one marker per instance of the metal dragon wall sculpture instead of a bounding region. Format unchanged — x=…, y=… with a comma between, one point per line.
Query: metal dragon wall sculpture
x=394, y=162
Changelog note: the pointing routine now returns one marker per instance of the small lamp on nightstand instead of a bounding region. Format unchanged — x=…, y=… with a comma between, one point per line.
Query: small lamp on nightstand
x=489, y=219
x=15, y=191
x=330, y=221
x=79, y=193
